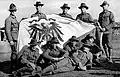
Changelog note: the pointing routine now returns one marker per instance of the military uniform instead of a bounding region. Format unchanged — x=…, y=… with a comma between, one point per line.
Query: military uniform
x=85, y=17
x=27, y=60
x=107, y=21
x=11, y=28
x=40, y=15
x=66, y=15
x=11, y=31
x=57, y=66
x=64, y=64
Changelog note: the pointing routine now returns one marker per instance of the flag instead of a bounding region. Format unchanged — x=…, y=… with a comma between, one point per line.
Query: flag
x=67, y=28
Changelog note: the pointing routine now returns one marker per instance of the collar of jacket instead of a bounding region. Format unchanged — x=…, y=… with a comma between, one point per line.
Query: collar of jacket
x=38, y=12
x=13, y=16
x=83, y=13
x=105, y=11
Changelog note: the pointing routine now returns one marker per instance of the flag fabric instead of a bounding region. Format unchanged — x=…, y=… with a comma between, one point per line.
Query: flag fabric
x=67, y=26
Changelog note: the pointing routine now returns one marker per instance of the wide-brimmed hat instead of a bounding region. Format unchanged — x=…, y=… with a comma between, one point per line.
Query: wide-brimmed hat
x=12, y=7
x=73, y=38
x=87, y=38
x=104, y=3
x=83, y=5
x=54, y=40
x=65, y=6
x=33, y=42
x=38, y=3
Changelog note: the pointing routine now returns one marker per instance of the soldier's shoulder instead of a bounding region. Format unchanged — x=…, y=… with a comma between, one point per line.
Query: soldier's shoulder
x=8, y=18
x=110, y=12
x=43, y=14
x=33, y=15
x=101, y=13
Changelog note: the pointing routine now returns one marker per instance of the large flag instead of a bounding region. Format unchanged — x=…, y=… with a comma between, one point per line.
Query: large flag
x=67, y=26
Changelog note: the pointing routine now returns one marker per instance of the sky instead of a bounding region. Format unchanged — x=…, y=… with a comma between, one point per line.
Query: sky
x=26, y=8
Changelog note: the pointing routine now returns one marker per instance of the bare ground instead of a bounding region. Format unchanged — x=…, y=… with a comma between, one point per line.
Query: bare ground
x=106, y=70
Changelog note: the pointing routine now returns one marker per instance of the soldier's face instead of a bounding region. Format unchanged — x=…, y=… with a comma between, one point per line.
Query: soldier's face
x=65, y=10
x=105, y=7
x=83, y=9
x=74, y=43
x=38, y=8
x=13, y=12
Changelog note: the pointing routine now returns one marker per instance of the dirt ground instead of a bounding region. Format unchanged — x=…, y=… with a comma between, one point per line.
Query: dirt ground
x=106, y=70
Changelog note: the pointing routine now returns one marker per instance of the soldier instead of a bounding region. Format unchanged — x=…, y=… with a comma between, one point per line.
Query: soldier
x=11, y=31
x=77, y=56
x=28, y=57
x=58, y=58
x=94, y=49
x=39, y=13
x=84, y=16
x=65, y=9
x=107, y=21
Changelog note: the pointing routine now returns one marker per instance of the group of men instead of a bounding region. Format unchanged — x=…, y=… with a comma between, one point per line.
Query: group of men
x=54, y=59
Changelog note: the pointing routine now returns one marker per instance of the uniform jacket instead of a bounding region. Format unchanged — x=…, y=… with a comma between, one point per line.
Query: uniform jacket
x=11, y=28
x=106, y=20
x=85, y=17
x=26, y=55
x=66, y=15
x=40, y=15
x=50, y=53
x=72, y=51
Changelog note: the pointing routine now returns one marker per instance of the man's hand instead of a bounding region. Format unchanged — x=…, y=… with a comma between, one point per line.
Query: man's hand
x=11, y=43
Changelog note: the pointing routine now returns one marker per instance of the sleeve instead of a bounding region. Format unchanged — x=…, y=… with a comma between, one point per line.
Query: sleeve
x=91, y=19
x=112, y=19
x=21, y=52
x=8, y=29
x=99, y=19
x=46, y=55
x=24, y=58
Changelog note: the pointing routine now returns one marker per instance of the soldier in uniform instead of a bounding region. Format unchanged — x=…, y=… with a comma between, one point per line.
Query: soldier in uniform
x=11, y=31
x=27, y=58
x=58, y=58
x=84, y=16
x=94, y=49
x=107, y=21
x=39, y=13
x=78, y=56
x=65, y=9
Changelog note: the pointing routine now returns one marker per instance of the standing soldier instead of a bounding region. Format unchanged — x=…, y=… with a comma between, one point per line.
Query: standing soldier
x=65, y=9
x=11, y=30
x=39, y=13
x=84, y=16
x=107, y=21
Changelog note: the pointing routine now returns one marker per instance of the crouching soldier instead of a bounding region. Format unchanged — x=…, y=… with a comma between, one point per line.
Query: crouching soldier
x=94, y=49
x=28, y=57
x=77, y=56
x=58, y=58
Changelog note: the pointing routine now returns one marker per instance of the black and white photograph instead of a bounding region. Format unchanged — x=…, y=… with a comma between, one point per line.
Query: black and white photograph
x=59, y=38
